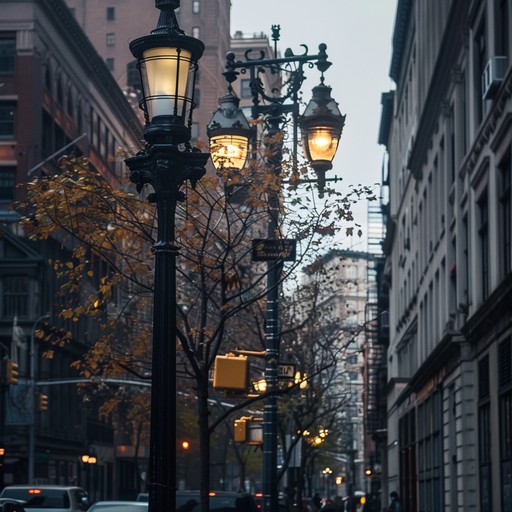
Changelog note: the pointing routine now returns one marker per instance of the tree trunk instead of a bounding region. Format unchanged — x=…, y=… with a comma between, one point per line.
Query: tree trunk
x=204, y=442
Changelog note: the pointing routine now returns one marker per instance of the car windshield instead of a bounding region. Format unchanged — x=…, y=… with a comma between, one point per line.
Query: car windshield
x=39, y=498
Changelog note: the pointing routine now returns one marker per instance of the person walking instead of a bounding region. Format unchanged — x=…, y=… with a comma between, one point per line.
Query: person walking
x=394, y=503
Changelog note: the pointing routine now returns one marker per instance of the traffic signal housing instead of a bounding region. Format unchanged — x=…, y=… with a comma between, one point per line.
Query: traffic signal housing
x=249, y=430
x=42, y=402
x=231, y=373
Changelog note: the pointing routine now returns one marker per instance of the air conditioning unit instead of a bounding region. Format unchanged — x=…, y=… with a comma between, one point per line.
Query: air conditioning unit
x=493, y=75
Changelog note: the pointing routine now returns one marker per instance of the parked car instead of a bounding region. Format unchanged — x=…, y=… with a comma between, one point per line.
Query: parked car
x=189, y=501
x=119, y=506
x=283, y=506
x=48, y=498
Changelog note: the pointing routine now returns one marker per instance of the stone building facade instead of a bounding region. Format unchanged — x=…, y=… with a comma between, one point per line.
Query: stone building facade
x=448, y=133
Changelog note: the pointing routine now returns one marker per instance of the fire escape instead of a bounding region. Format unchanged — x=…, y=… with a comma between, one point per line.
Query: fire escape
x=374, y=370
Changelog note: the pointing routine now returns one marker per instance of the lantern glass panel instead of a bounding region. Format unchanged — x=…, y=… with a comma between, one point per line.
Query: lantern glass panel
x=228, y=151
x=166, y=75
x=322, y=144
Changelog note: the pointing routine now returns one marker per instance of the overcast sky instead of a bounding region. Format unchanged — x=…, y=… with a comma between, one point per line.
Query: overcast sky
x=358, y=35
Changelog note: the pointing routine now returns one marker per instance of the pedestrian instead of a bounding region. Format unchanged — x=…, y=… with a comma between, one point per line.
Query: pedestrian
x=394, y=502
x=372, y=503
x=317, y=500
x=351, y=504
x=328, y=506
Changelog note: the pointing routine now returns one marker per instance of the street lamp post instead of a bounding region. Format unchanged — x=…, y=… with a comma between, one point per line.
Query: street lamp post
x=321, y=124
x=167, y=62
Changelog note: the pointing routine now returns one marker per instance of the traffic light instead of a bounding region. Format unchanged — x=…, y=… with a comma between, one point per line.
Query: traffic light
x=42, y=402
x=249, y=430
x=185, y=445
x=10, y=372
x=231, y=373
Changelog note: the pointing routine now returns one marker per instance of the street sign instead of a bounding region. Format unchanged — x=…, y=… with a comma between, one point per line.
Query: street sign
x=286, y=371
x=270, y=250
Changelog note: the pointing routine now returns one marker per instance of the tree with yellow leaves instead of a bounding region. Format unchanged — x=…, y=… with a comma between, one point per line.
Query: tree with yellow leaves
x=109, y=232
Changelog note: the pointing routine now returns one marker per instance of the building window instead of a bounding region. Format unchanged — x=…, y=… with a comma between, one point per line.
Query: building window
x=430, y=453
x=111, y=39
x=502, y=28
x=7, y=183
x=194, y=131
x=69, y=107
x=196, y=6
x=505, y=419
x=505, y=215
x=60, y=92
x=7, y=55
x=109, y=61
x=408, y=472
x=196, y=32
x=111, y=13
x=79, y=117
x=351, y=271
x=245, y=88
x=15, y=296
x=483, y=235
x=480, y=63
x=484, y=434
x=48, y=79
x=7, y=115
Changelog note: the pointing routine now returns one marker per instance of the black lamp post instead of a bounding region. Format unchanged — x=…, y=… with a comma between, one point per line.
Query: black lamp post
x=167, y=61
x=322, y=124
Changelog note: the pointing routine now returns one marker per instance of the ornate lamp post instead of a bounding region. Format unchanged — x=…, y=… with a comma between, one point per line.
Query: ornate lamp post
x=322, y=124
x=167, y=61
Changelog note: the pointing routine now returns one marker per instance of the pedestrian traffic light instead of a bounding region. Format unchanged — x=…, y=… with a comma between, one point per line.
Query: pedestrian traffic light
x=339, y=480
x=231, y=373
x=9, y=372
x=249, y=430
x=240, y=433
x=42, y=402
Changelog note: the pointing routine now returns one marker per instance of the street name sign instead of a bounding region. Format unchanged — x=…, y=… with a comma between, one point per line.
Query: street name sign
x=286, y=371
x=271, y=250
